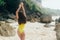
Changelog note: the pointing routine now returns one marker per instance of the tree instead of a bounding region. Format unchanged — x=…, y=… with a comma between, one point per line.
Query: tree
x=2, y=2
x=33, y=6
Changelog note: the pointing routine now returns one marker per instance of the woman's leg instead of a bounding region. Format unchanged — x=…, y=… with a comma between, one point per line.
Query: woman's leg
x=21, y=33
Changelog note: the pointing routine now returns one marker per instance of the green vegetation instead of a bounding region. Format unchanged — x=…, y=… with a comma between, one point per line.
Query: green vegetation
x=2, y=3
x=54, y=12
x=33, y=6
x=10, y=6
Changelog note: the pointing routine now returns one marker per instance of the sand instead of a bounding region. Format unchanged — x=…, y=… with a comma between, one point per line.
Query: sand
x=34, y=31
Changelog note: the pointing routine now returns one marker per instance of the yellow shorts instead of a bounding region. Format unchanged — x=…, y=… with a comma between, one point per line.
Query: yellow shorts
x=21, y=28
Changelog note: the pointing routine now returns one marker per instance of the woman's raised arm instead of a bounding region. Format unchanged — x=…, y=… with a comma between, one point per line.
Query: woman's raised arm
x=23, y=10
x=18, y=11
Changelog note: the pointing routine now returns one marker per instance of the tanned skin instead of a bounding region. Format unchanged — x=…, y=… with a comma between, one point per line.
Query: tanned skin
x=21, y=5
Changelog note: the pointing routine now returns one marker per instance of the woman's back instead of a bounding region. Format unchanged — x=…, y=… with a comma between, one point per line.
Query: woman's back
x=22, y=18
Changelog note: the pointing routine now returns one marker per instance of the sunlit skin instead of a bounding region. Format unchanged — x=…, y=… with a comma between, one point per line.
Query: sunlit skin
x=20, y=5
x=21, y=35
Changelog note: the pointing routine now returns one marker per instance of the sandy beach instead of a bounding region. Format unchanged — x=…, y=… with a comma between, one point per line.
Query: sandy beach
x=34, y=31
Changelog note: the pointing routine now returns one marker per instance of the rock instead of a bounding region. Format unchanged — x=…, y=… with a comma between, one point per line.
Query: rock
x=10, y=20
x=28, y=18
x=34, y=17
x=46, y=25
x=57, y=29
x=6, y=29
x=45, y=19
x=12, y=16
x=57, y=20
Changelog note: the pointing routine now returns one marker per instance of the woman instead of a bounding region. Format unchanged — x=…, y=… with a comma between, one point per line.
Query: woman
x=21, y=16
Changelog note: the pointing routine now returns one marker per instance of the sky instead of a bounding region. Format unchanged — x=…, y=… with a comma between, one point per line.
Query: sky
x=53, y=4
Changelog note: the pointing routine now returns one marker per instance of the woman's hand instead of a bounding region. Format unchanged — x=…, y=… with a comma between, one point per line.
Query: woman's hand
x=19, y=5
x=22, y=4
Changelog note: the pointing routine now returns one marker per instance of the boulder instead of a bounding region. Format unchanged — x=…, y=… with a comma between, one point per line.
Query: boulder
x=45, y=19
x=6, y=29
x=34, y=17
x=57, y=29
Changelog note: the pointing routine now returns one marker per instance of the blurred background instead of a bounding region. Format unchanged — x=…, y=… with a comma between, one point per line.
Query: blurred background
x=43, y=17
x=34, y=9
